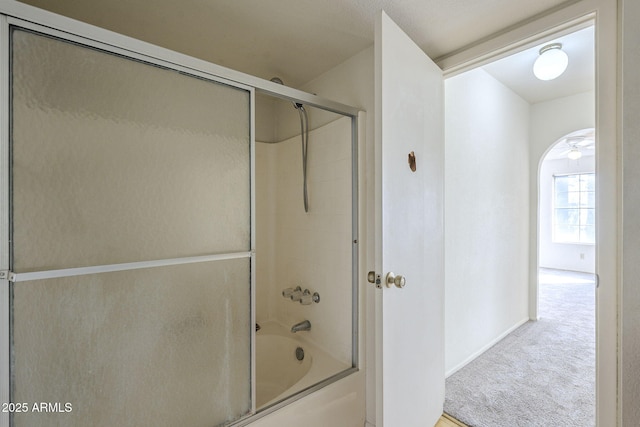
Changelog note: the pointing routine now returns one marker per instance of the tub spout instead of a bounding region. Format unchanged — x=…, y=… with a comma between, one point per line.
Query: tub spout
x=302, y=326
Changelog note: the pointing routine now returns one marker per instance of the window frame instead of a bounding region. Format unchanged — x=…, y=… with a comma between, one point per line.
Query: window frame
x=580, y=208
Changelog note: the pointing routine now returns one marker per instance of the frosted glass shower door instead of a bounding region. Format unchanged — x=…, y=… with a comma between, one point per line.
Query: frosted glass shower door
x=131, y=246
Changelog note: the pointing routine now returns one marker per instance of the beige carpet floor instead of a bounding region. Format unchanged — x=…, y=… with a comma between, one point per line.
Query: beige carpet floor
x=543, y=373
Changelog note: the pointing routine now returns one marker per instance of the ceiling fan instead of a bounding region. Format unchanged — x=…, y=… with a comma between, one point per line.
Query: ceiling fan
x=578, y=145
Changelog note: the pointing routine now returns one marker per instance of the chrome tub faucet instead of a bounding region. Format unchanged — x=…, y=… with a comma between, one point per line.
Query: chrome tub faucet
x=305, y=325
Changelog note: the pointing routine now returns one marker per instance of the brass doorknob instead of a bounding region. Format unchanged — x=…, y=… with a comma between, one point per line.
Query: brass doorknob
x=399, y=281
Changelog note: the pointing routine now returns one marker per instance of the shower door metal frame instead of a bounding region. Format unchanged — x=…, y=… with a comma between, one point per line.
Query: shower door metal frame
x=14, y=13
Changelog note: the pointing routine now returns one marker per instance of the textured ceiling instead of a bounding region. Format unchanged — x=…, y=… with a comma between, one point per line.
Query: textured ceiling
x=295, y=39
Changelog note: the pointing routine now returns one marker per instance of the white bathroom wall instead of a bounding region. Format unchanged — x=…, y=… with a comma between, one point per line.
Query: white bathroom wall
x=266, y=118
x=266, y=210
x=562, y=256
x=486, y=214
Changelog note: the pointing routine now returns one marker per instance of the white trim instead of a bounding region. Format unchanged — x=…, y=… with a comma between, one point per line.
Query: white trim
x=5, y=384
x=377, y=227
x=485, y=348
x=537, y=30
x=4, y=143
x=5, y=360
x=355, y=242
x=81, y=271
x=252, y=271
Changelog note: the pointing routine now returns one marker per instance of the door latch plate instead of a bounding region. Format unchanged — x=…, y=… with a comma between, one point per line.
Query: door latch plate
x=372, y=277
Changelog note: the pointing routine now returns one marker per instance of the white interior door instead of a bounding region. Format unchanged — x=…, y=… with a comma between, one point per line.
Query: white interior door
x=409, y=231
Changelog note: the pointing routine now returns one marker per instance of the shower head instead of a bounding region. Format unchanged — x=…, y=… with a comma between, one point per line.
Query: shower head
x=296, y=105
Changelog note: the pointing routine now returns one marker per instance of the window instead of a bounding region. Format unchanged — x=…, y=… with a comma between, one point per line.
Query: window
x=574, y=208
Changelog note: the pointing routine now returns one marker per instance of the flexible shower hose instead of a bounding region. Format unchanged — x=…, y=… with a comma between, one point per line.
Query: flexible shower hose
x=304, y=136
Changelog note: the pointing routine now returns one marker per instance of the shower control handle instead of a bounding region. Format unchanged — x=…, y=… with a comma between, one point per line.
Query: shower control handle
x=290, y=291
x=297, y=294
x=391, y=279
x=307, y=298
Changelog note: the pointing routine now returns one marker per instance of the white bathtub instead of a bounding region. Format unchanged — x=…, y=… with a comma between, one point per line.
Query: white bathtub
x=279, y=374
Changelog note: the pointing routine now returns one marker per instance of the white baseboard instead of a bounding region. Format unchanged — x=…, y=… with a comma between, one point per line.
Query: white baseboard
x=368, y=424
x=485, y=348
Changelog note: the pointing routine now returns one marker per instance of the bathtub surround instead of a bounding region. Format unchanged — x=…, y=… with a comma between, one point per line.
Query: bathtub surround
x=287, y=364
x=277, y=368
x=342, y=402
x=311, y=250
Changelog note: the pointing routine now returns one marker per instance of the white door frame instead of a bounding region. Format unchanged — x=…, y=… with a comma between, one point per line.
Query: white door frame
x=529, y=33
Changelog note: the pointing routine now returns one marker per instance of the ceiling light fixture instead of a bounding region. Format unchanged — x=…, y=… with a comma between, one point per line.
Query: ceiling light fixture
x=574, y=154
x=551, y=63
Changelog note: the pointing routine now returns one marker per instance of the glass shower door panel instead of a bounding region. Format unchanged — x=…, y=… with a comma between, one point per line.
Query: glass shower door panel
x=116, y=160
x=166, y=346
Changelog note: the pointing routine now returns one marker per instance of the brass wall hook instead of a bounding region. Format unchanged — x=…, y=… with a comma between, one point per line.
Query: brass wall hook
x=412, y=161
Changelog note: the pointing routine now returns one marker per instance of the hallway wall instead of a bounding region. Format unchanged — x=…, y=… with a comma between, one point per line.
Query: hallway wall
x=550, y=121
x=486, y=214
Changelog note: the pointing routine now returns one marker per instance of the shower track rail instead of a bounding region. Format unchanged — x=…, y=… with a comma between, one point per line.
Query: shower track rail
x=80, y=271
